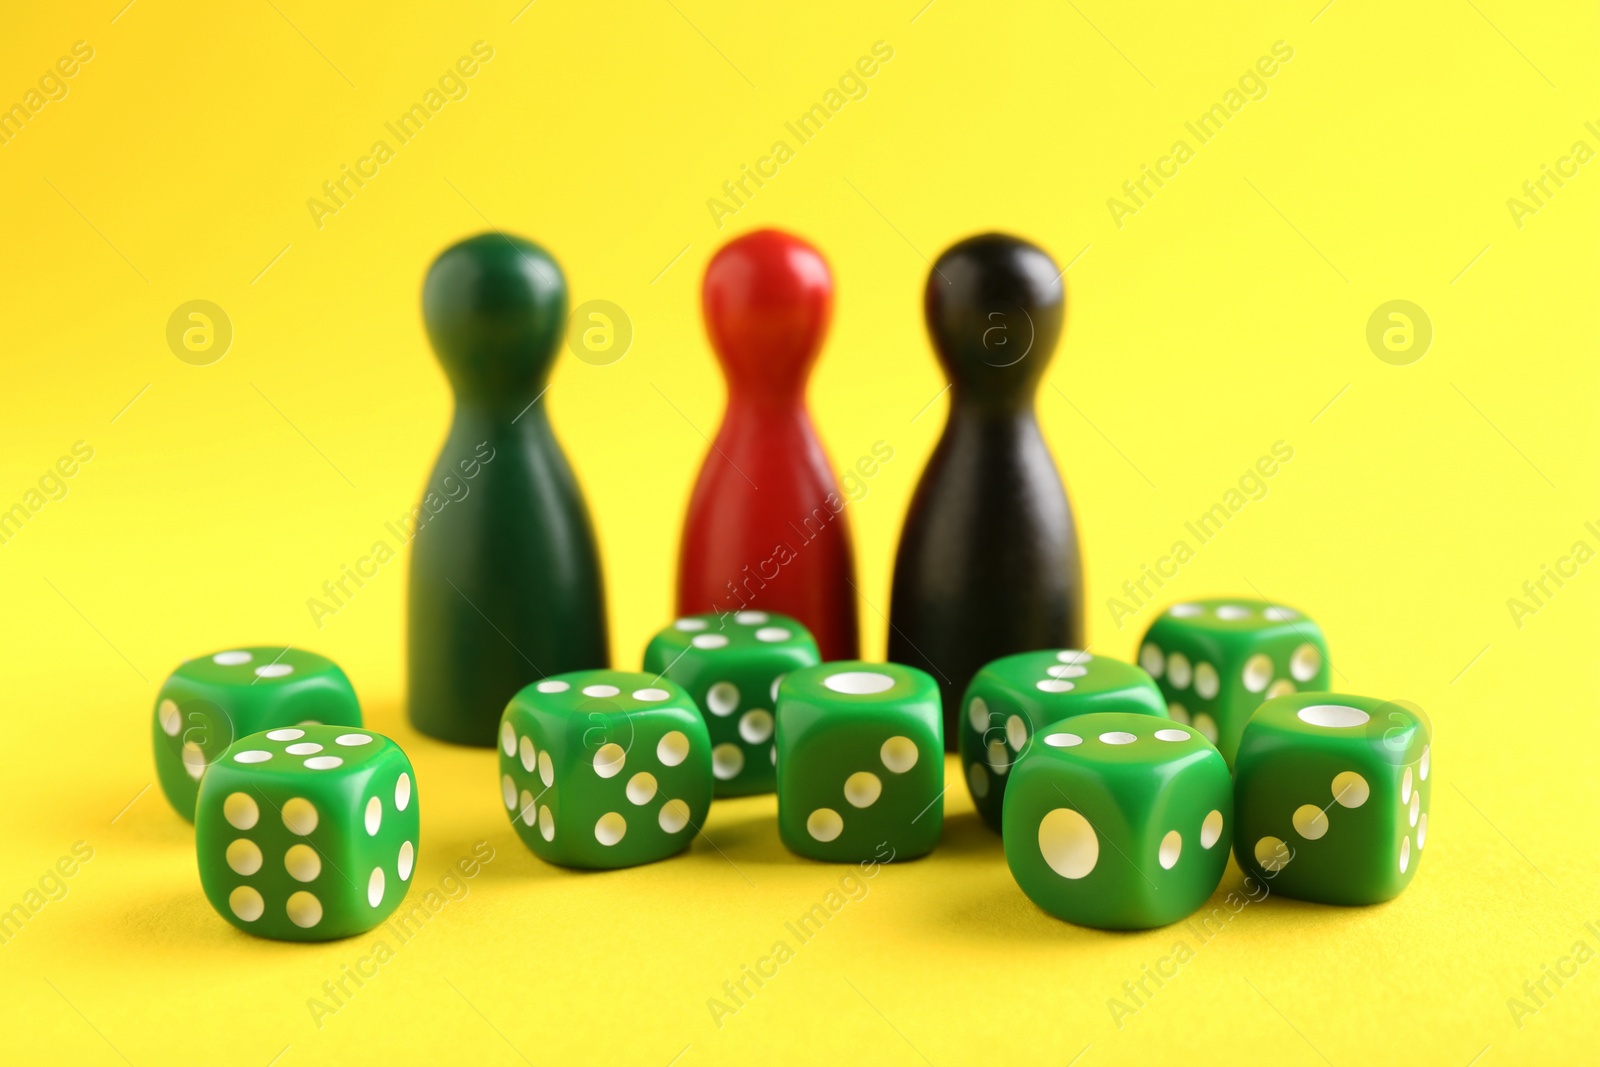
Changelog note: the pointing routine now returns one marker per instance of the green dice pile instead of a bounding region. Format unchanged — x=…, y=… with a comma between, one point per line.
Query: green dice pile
x=1011, y=699
x=1118, y=790
x=1111, y=783
x=306, y=824
x=1217, y=660
x=211, y=701
x=733, y=673
x=855, y=751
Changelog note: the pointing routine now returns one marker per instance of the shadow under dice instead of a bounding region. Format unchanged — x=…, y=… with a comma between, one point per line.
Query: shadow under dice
x=1118, y=821
x=1217, y=660
x=731, y=666
x=1332, y=797
x=307, y=833
x=860, y=762
x=210, y=701
x=605, y=768
x=1013, y=697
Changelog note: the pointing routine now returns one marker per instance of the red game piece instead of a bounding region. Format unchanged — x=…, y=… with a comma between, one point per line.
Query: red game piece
x=766, y=529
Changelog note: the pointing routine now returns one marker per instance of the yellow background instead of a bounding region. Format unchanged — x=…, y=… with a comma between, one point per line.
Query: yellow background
x=1227, y=314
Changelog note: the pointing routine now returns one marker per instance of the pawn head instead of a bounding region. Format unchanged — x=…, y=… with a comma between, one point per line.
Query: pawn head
x=495, y=307
x=995, y=306
x=767, y=298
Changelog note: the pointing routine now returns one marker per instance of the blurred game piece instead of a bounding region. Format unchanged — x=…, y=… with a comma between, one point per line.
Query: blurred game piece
x=505, y=577
x=211, y=701
x=766, y=529
x=988, y=560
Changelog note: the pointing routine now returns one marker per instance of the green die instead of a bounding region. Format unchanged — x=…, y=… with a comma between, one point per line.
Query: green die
x=307, y=833
x=1332, y=795
x=860, y=762
x=1012, y=698
x=1217, y=660
x=604, y=768
x=209, y=701
x=1118, y=821
x=731, y=666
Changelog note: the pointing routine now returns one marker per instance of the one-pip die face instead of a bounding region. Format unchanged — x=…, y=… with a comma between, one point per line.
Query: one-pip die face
x=605, y=768
x=1120, y=821
x=307, y=833
x=1333, y=792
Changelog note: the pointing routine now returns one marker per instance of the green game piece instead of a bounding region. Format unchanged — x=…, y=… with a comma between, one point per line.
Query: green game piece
x=860, y=762
x=1217, y=660
x=731, y=666
x=1118, y=821
x=1332, y=795
x=505, y=575
x=605, y=768
x=1012, y=698
x=307, y=833
x=211, y=700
